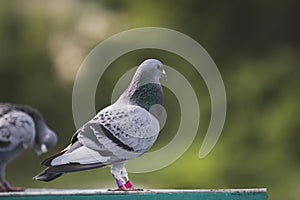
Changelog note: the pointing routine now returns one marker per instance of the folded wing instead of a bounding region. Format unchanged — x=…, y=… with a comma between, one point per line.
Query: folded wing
x=115, y=134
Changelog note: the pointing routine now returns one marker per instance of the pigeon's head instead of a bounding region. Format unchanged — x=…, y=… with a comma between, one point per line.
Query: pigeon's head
x=145, y=89
x=45, y=139
x=152, y=69
x=49, y=139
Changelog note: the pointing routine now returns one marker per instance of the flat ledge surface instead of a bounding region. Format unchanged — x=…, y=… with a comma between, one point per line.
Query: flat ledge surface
x=63, y=192
x=211, y=194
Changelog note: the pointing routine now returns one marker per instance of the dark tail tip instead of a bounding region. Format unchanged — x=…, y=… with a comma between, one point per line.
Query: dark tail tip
x=47, y=176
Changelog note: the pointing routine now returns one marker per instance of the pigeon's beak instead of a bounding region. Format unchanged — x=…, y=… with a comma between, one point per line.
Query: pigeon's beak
x=164, y=75
x=43, y=149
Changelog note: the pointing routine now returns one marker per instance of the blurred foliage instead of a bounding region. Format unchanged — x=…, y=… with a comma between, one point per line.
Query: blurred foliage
x=255, y=44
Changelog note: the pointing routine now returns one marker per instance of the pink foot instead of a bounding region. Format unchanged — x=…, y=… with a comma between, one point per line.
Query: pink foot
x=7, y=188
x=126, y=187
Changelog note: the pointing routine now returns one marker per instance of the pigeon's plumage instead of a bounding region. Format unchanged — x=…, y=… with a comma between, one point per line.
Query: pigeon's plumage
x=21, y=127
x=120, y=132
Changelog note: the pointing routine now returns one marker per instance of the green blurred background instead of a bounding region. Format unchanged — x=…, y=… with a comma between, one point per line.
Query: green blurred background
x=255, y=44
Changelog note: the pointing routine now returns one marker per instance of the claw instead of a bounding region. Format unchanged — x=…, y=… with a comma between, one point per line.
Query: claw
x=125, y=189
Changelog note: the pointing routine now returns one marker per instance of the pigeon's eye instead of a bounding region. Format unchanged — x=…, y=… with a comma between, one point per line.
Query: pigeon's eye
x=158, y=67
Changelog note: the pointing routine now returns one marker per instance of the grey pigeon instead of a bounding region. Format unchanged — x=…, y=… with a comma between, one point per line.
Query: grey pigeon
x=21, y=127
x=122, y=131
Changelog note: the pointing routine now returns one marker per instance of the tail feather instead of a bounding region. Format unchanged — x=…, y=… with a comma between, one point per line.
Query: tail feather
x=73, y=167
x=47, y=176
x=56, y=171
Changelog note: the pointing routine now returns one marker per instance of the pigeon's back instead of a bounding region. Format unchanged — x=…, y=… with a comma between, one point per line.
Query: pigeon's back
x=16, y=128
